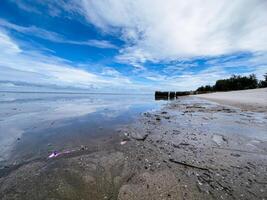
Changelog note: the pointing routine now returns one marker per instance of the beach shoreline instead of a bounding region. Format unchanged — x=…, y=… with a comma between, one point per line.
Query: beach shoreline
x=191, y=148
x=253, y=99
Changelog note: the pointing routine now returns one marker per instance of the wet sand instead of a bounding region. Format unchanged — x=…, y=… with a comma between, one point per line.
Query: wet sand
x=189, y=149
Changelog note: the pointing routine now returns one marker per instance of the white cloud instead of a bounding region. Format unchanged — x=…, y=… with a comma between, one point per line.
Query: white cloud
x=109, y=71
x=187, y=80
x=20, y=66
x=153, y=31
x=156, y=30
x=54, y=37
x=7, y=45
x=52, y=8
x=182, y=78
x=103, y=44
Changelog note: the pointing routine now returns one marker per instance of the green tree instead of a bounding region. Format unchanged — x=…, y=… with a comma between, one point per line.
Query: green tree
x=263, y=83
x=235, y=83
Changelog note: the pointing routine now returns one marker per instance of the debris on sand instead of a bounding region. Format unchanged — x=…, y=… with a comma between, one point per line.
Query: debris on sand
x=123, y=142
x=184, y=143
x=83, y=147
x=158, y=118
x=55, y=154
x=235, y=154
x=180, y=145
x=187, y=165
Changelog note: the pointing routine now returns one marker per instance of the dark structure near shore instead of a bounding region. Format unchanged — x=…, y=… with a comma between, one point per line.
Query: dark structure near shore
x=161, y=95
x=182, y=93
x=172, y=95
x=169, y=95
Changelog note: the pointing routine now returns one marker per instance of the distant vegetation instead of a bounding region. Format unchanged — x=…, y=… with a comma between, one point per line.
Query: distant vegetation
x=234, y=83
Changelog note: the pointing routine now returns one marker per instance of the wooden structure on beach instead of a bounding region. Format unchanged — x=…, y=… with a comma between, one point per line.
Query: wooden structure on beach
x=159, y=95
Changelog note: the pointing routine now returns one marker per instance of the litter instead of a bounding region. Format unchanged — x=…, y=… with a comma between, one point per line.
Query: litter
x=55, y=154
x=123, y=142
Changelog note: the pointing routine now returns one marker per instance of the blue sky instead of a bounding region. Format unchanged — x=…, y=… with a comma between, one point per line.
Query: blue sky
x=124, y=45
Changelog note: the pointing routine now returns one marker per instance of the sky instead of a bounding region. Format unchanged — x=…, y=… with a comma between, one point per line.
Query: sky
x=124, y=46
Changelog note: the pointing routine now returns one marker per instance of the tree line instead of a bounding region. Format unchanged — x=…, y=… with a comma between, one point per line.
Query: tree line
x=235, y=83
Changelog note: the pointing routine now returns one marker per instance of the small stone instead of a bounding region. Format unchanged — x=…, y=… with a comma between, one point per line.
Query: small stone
x=235, y=154
x=83, y=148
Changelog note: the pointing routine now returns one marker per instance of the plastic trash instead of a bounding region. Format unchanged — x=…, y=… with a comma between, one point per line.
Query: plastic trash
x=123, y=142
x=55, y=154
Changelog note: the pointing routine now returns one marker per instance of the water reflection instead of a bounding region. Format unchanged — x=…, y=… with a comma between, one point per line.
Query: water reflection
x=30, y=123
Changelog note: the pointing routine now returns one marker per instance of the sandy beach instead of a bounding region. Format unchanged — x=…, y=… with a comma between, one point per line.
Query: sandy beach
x=190, y=148
x=255, y=99
x=115, y=100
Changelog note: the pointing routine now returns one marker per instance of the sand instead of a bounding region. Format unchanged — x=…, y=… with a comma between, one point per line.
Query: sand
x=254, y=99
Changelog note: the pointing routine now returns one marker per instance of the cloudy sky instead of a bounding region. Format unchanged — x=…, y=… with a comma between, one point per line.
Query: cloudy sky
x=122, y=45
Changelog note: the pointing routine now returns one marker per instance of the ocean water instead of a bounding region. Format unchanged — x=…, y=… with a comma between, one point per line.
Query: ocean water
x=34, y=124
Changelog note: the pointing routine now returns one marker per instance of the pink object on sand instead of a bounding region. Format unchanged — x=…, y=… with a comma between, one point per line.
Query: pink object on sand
x=123, y=142
x=53, y=155
x=56, y=154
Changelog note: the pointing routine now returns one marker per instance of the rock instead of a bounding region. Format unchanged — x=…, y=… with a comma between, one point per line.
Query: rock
x=176, y=145
x=184, y=144
x=157, y=118
x=139, y=135
x=147, y=114
x=180, y=145
x=83, y=147
x=126, y=134
x=235, y=154
x=219, y=139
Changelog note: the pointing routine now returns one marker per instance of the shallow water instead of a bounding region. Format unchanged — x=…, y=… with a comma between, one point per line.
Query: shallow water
x=34, y=124
x=194, y=149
